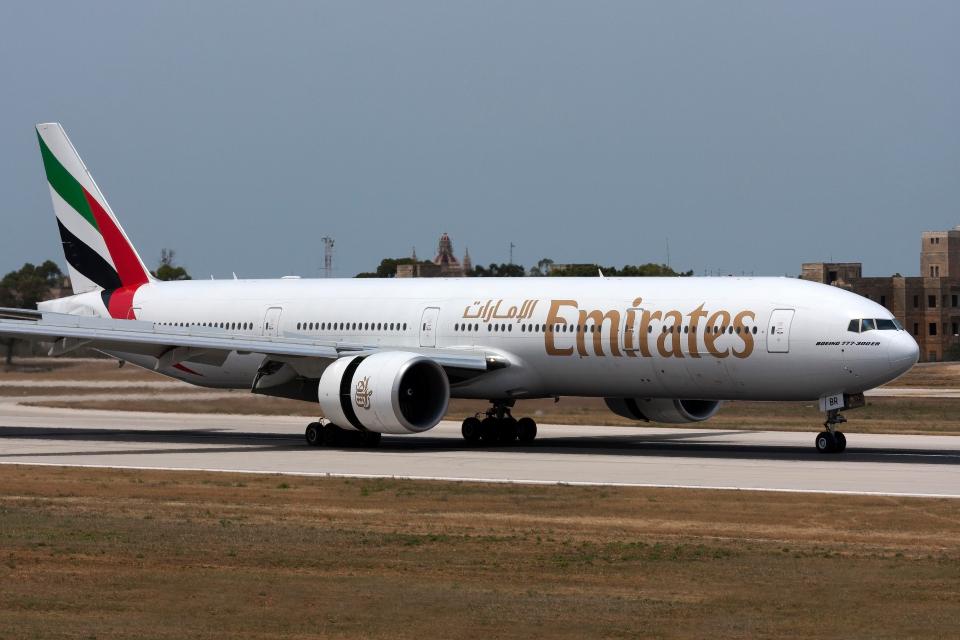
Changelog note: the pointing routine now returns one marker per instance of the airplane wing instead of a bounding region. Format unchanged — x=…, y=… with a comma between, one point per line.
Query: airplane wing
x=171, y=345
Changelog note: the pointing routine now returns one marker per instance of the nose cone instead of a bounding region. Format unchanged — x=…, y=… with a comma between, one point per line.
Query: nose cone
x=903, y=352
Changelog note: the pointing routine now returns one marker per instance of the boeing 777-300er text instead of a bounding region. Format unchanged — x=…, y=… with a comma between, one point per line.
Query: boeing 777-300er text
x=385, y=356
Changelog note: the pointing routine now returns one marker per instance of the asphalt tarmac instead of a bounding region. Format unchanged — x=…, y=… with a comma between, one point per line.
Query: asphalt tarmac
x=908, y=465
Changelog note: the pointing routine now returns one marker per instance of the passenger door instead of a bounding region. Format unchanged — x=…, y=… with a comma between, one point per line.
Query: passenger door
x=271, y=322
x=428, y=327
x=778, y=331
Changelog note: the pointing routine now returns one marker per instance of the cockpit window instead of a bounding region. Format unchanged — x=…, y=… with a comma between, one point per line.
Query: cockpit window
x=874, y=324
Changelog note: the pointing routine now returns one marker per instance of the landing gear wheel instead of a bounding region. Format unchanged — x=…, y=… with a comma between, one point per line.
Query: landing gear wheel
x=826, y=442
x=841, y=441
x=314, y=434
x=488, y=430
x=471, y=430
x=526, y=430
x=506, y=430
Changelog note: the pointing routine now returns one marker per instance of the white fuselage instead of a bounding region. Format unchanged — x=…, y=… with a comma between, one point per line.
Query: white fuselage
x=703, y=338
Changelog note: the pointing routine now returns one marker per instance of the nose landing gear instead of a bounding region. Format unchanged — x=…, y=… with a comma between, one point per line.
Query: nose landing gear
x=832, y=440
x=498, y=427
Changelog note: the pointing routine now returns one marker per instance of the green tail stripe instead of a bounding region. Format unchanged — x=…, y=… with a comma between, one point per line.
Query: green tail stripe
x=65, y=184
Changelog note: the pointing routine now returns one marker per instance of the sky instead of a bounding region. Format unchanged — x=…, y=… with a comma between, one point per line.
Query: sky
x=747, y=136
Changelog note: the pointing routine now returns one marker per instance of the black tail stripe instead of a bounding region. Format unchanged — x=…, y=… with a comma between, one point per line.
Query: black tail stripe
x=105, y=295
x=87, y=261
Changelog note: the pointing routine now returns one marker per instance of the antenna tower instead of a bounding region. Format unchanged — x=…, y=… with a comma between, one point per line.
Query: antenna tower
x=327, y=256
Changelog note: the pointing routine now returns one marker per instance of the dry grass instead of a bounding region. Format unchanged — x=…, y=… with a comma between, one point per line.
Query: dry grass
x=942, y=375
x=75, y=369
x=107, y=553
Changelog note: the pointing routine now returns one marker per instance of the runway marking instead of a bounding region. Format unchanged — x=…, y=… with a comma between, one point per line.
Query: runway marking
x=374, y=476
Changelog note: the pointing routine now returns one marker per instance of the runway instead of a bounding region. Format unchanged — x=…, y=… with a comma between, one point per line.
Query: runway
x=903, y=465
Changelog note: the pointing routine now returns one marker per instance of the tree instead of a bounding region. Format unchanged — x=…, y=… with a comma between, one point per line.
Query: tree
x=543, y=268
x=650, y=270
x=23, y=289
x=502, y=270
x=167, y=269
x=588, y=270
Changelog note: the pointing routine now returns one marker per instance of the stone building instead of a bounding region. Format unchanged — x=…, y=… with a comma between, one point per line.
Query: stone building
x=928, y=305
x=444, y=265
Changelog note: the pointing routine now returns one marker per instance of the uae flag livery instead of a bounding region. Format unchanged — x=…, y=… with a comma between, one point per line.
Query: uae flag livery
x=98, y=252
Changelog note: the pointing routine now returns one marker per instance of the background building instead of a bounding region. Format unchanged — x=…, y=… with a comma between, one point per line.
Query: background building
x=444, y=265
x=926, y=305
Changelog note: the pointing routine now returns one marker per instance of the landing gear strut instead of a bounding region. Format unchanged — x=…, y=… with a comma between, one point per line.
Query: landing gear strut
x=319, y=434
x=832, y=440
x=498, y=427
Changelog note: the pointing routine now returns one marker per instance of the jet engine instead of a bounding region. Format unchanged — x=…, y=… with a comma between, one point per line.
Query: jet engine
x=387, y=392
x=663, y=409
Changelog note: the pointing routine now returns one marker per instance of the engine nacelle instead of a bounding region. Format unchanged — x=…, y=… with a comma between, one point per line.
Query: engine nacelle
x=387, y=392
x=663, y=409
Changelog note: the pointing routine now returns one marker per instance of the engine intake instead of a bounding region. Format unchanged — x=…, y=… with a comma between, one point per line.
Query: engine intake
x=387, y=392
x=670, y=411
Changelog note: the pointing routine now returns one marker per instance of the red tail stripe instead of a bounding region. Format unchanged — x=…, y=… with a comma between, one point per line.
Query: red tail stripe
x=128, y=266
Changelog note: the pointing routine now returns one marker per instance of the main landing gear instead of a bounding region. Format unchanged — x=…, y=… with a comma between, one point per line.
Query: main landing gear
x=498, y=427
x=319, y=434
x=832, y=440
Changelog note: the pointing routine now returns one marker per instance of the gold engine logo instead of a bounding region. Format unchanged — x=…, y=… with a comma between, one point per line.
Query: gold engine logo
x=363, y=393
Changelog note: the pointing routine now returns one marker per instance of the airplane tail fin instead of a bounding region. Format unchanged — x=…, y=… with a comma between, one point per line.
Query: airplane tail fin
x=98, y=252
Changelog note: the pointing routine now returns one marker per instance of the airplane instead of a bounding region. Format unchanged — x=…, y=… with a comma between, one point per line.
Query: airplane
x=385, y=356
